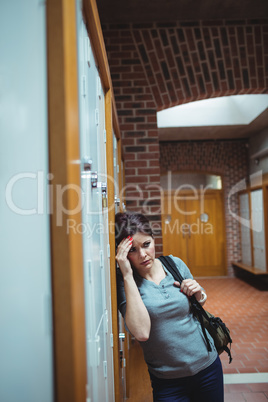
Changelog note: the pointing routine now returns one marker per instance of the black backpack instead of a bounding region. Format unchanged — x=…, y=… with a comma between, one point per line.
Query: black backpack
x=214, y=325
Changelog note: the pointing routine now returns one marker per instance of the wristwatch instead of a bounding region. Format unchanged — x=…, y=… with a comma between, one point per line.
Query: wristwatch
x=204, y=297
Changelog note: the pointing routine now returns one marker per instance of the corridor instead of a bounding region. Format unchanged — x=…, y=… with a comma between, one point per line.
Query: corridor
x=242, y=303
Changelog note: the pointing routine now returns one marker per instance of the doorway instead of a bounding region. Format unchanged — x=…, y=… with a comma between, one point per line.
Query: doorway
x=193, y=228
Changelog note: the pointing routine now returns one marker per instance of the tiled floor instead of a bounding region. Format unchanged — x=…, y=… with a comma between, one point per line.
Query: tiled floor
x=243, y=306
x=246, y=392
x=244, y=309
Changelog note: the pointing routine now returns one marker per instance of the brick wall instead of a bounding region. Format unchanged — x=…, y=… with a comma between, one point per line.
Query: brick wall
x=155, y=66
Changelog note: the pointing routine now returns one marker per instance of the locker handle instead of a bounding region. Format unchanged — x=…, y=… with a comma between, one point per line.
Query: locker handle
x=94, y=179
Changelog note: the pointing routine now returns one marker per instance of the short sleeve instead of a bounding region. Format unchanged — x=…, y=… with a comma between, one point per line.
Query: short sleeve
x=182, y=267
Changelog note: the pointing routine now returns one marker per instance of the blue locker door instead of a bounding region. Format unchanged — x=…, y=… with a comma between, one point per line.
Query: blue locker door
x=26, y=363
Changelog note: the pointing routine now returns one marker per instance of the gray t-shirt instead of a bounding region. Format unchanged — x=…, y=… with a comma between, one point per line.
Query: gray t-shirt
x=176, y=346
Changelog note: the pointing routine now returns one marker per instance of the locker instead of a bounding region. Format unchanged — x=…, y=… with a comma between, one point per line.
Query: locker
x=258, y=227
x=95, y=222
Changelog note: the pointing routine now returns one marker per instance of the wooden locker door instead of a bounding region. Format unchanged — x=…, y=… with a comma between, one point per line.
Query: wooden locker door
x=174, y=226
x=205, y=241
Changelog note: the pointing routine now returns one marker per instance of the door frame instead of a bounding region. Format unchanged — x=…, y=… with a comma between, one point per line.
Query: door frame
x=70, y=370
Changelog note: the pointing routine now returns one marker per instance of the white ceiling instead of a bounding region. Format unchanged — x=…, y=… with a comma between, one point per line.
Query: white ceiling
x=237, y=116
x=221, y=111
x=215, y=132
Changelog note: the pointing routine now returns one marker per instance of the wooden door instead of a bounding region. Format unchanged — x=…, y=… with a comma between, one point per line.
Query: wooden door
x=193, y=229
x=205, y=242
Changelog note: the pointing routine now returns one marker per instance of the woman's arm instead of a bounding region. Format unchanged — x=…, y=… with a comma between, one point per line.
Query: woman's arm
x=190, y=287
x=137, y=317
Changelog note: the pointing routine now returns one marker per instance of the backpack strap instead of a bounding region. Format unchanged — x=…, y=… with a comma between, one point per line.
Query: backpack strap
x=171, y=267
x=198, y=309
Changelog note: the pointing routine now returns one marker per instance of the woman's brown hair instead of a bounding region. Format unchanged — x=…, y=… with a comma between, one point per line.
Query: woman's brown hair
x=127, y=224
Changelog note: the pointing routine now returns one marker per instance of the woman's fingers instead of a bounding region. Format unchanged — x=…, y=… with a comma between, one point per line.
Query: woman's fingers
x=122, y=253
x=190, y=287
x=124, y=246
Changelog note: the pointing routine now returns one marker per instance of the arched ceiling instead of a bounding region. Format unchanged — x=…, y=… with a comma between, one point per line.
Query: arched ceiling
x=160, y=11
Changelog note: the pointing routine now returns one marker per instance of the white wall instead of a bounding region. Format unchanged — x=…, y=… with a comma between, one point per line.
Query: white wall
x=26, y=365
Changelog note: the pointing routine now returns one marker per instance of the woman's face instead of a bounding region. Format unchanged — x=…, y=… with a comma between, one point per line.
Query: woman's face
x=142, y=253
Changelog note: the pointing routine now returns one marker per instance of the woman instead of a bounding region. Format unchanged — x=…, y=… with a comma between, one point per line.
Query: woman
x=157, y=313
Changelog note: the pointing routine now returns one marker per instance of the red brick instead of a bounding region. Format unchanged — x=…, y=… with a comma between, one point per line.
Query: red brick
x=148, y=171
x=134, y=195
x=153, y=133
x=151, y=119
x=127, y=127
x=153, y=148
x=158, y=48
x=134, y=105
x=148, y=156
x=130, y=172
x=150, y=104
x=155, y=194
x=143, y=97
x=147, y=39
x=126, y=48
x=129, y=141
x=135, y=164
x=154, y=163
x=129, y=156
x=156, y=210
x=114, y=62
x=132, y=76
x=137, y=179
x=154, y=179
x=141, y=83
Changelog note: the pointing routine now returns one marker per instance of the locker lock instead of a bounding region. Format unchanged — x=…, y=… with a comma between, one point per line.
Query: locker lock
x=104, y=195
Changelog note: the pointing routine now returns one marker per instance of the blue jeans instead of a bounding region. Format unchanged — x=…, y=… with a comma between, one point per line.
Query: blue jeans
x=205, y=386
